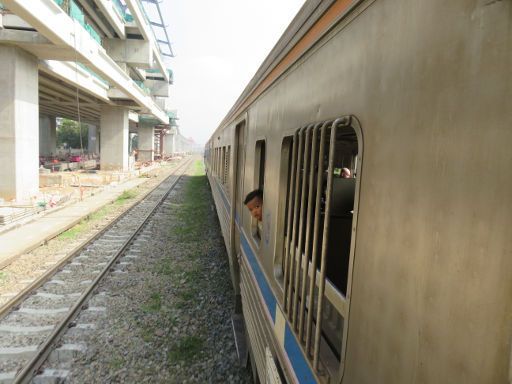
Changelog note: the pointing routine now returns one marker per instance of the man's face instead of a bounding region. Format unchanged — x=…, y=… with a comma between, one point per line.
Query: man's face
x=255, y=206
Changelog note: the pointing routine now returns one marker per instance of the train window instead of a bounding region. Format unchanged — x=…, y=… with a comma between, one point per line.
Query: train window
x=317, y=235
x=219, y=155
x=227, y=159
x=222, y=162
x=259, y=174
x=215, y=161
x=259, y=183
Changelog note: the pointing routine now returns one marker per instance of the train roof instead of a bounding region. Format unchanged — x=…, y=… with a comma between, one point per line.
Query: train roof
x=314, y=19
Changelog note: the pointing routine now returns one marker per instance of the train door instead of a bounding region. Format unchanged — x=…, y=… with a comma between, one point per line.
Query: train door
x=236, y=214
x=237, y=206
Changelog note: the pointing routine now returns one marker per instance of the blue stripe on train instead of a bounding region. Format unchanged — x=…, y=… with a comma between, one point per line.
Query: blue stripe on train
x=299, y=363
x=265, y=290
x=227, y=205
x=224, y=199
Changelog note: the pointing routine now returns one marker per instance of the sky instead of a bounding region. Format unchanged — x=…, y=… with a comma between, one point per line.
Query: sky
x=218, y=46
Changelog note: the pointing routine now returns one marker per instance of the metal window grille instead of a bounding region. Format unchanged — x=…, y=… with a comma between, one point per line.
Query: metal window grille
x=309, y=298
x=226, y=168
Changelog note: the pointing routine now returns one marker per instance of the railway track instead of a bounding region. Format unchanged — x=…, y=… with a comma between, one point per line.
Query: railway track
x=33, y=322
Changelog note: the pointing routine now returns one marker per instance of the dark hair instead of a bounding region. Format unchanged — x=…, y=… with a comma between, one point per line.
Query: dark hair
x=253, y=194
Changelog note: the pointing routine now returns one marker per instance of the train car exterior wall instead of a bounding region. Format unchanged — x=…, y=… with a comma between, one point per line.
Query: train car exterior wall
x=430, y=290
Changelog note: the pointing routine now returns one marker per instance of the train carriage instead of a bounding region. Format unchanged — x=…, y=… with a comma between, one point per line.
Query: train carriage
x=400, y=273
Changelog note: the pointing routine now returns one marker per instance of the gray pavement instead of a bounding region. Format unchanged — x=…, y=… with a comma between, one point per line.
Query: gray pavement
x=31, y=235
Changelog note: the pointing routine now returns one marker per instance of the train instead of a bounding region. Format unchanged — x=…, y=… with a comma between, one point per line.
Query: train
x=400, y=272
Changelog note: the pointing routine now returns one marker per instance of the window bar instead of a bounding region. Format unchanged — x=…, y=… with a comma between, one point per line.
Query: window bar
x=291, y=183
x=295, y=218
x=307, y=251
x=224, y=165
x=300, y=255
x=323, y=263
x=319, y=184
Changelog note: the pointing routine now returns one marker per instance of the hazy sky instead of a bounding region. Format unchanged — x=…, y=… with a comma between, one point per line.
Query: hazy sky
x=219, y=45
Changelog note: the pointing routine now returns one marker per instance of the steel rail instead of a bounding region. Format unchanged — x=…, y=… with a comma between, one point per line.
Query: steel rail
x=31, y=368
x=27, y=291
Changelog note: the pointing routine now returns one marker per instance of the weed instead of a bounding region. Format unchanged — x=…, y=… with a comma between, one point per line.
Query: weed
x=188, y=296
x=154, y=303
x=116, y=362
x=147, y=334
x=186, y=349
x=3, y=275
x=192, y=276
x=73, y=232
x=192, y=214
x=165, y=268
x=126, y=195
x=99, y=214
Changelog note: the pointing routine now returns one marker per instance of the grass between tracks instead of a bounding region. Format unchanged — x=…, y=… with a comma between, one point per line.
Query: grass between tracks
x=193, y=217
x=186, y=273
x=192, y=214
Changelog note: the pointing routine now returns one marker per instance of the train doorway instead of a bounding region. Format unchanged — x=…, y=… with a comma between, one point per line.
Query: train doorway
x=237, y=206
x=236, y=212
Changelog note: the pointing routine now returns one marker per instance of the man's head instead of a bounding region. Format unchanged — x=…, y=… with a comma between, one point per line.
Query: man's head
x=345, y=173
x=254, y=202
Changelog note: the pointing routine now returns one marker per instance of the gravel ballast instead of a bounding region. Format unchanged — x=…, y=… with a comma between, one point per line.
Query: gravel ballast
x=29, y=266
x=164, y=315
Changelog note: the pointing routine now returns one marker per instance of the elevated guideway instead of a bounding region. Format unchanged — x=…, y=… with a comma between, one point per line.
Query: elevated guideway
x=99, y=62
x=61, y=37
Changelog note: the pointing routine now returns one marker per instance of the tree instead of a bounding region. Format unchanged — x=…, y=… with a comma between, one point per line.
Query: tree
x=68, y=132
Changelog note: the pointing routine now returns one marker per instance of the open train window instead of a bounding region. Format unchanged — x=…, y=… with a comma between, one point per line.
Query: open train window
x=318, y=236
x=222, y=168
x=227, y=162
x=259, y=183
x=259, y=176
x=215, y=152
x=217, y=162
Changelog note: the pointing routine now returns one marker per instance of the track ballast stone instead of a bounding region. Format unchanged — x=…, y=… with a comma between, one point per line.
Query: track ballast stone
x=167, y=318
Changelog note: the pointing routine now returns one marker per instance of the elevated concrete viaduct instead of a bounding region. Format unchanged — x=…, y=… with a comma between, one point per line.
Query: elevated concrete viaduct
x=94, y=61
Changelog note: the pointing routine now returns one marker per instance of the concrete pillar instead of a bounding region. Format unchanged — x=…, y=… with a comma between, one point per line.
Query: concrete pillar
x=114, y=138
x=146, y=142
x=169, y=144
x=93, y=140
x=47, y=136
x=19, y=124
x=161, y=144
x=178, y=147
